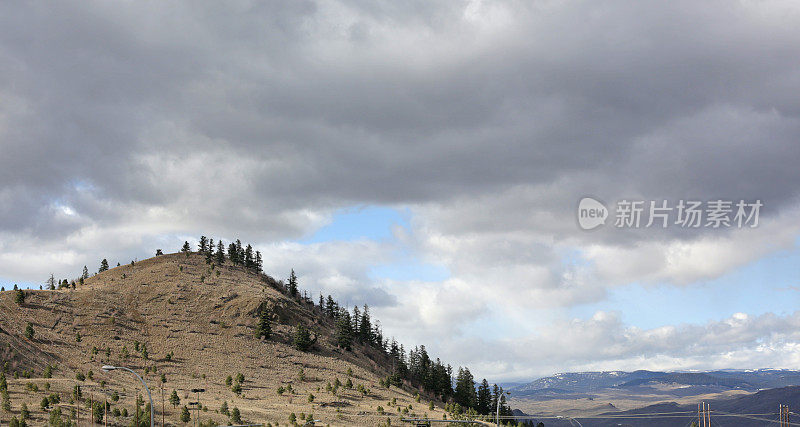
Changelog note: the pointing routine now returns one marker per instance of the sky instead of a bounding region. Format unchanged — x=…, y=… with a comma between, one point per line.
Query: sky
x=428, y=158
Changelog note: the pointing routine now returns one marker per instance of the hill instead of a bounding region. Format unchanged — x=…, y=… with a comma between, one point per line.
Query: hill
x=755, y=410
x=194, y=323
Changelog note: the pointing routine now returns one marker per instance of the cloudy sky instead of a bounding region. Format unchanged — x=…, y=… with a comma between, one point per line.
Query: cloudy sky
x=427, y=158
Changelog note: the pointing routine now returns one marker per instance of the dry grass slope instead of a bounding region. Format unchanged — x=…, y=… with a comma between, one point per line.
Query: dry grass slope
x=206, y=316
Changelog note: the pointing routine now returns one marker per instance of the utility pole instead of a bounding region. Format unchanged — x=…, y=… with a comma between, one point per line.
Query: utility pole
x=704, y=414
x=77, y=407
x=699, y=411
x=783, y=411
x=162, y=405
x=197, y=412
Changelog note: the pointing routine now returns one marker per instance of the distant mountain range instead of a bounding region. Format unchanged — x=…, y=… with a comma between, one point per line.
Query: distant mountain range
x=754, y=410
x=589, y=384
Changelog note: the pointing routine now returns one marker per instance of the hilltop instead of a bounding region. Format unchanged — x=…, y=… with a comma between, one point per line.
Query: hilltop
x=193, y=322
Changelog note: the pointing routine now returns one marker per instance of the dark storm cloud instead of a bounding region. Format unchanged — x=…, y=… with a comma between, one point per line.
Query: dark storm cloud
x=289, y=110
x=128, y=126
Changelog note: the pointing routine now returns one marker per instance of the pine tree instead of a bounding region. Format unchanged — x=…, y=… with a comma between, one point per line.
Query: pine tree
x=365, y=326
x=236, y=416
x=85, y=274
x=249, y=261
x=19, y=296
x=331, y=308
x=344, y=332
x=465, y=394
x=186, y=248
x=6, y=401
x=263, y=329
x=174, y=400
x=51, y=282
x=484, y=404
x=354, y=319
x=233, y=254
x=29, y=331
x=240, y=251
x=202, y=246
x=291, y=287
x=220, y=253
x=159, y=252
x=103, y=266
x=259, y=262
x=302, y=338
x=185, y=416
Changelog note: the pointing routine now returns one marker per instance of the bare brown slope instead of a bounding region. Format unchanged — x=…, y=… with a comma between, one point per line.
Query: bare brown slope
x=204, y=314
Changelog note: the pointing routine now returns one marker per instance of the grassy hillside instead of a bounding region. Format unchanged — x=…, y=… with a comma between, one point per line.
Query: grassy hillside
x=204, y=316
